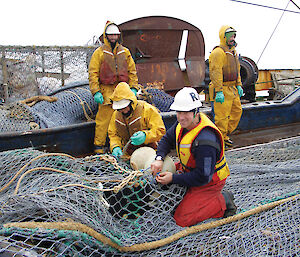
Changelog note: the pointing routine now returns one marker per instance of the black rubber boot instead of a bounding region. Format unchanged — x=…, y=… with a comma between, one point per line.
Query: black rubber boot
x=230, y=205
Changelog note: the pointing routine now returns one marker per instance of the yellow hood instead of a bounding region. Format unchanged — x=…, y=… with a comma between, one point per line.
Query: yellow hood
x=123, y=91
x=222, y=34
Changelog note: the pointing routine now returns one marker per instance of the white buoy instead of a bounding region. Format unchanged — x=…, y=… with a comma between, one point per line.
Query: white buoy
x=101, y=198
x=144, y=156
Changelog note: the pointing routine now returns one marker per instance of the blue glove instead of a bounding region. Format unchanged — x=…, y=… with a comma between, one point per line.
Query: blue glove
x=219, y=97
x=98, y=97
x=117, y=152
x=134, y=90
x=138, y=138
x=240, y=90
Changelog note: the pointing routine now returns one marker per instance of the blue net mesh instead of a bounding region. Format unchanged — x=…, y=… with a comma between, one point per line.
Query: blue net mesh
x=73, y=105
x=160, y=99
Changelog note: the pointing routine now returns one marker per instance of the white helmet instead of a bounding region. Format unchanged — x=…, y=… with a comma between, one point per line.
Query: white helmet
x=112, y=29
x=117, y=105
x=186, y=99
x=230, y=29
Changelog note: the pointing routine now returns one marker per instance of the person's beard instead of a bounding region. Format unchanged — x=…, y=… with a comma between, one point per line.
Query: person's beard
x=127, y=114
x=113, y=44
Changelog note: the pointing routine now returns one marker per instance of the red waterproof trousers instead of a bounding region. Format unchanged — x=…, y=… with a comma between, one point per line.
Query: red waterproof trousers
x=201, y=203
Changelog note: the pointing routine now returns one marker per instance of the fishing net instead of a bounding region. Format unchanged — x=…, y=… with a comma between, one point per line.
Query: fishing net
x=26, y=71
x=73, y=105
x=56, y=205
x=32, y=72
x=70, y=106
x=157, y=97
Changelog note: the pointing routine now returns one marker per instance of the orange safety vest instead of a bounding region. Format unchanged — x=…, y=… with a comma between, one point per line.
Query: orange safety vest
x=114, y=67
x=184, y=146
x=230, y=69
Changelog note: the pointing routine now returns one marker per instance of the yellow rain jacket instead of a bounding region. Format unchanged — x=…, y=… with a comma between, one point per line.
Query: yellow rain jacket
x=224, y=72
x=224, y=68
x=144, y=117
x=106, y=69
x=98, y=58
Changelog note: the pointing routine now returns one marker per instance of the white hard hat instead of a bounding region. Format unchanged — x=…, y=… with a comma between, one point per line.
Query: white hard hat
x=117, y=105
x=112, y=29
x=185, y=100
x=230, y=30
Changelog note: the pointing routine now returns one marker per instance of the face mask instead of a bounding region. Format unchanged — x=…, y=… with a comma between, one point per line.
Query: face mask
x=228, y=35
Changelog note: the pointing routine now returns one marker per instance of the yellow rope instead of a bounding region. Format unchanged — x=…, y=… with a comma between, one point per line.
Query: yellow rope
x=132, y=175
x=110, y=159
x=82, y=103
x=33, y=100
x=116, y=189
x=85, y=89
x=70, y=185
x=113, y=161
x=27, y=164
x=148, y=245
x=41, y=168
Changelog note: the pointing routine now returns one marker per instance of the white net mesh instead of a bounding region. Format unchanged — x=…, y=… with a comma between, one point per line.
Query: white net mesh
x=40, y=70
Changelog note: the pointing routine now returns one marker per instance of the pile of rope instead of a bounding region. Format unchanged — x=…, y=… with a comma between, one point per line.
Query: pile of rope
x=57, y=205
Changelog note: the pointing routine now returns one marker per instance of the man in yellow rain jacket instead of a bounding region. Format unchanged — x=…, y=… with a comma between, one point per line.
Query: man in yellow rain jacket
x=134, y=120
x=225, y=88
x=110, y=64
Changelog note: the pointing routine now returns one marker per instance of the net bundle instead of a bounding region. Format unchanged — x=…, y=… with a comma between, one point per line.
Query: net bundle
x=72, y=104
x=66, y=107
x=159, y=98
x=57, y=205
x=32, y=72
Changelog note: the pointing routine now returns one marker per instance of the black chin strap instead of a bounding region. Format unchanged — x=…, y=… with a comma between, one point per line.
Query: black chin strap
x=197, y=110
